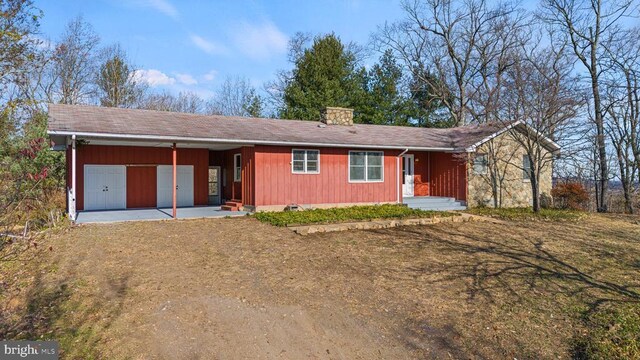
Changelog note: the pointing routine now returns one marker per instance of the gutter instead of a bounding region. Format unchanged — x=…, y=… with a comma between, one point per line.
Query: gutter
x=171, y=139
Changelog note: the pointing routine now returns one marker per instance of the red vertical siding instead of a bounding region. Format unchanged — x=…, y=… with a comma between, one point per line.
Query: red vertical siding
x=136, y=155
x=275, y=184
x=448, y=175
x=141, y=186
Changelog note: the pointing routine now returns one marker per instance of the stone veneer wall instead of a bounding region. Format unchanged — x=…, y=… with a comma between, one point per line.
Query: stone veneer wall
x=516, y=192
x=337, y=116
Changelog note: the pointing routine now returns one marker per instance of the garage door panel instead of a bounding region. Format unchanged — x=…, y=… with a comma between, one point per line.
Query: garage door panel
x=184, y=178
x=104, y=187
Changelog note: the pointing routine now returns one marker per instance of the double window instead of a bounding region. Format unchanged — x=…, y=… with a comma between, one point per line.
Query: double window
x=366, y=166
x=480, y=164
x=305, y=161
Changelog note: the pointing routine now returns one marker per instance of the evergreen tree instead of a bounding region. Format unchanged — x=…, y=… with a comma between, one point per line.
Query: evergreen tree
x=326, y=74
x=115, y=81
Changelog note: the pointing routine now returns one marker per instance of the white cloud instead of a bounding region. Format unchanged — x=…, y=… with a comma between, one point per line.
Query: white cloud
x=207, y=46
x=153, y=77
x=186, y=79
x=210, y=76
x=260, y=41
x=163, y=6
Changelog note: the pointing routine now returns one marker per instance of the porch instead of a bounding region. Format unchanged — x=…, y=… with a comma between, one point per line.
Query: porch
x=111, y=216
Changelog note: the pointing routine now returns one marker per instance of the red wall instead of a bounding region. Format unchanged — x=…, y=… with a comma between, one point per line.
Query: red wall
x=142, y=186
x=448, y=175
x=136, y=155
x=275, y=184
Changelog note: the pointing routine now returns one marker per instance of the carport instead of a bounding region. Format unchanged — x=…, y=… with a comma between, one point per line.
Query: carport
x=111, y=216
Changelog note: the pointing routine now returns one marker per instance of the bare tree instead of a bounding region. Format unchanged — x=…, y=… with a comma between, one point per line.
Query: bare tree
x=75, y=63
x=456, y=41
x=116, y=84
x=236, y=97
x=186, y=102
x=622, y=124
x=542, y=94
x=589, y=27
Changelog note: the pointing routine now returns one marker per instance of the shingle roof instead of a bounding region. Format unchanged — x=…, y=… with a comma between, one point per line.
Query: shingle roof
x=82, y=119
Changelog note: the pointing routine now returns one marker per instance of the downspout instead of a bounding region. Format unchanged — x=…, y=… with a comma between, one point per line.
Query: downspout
x=399, y=174
x=175, y=182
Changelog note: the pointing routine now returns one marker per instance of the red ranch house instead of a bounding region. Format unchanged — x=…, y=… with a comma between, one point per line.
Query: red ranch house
x=126, y=159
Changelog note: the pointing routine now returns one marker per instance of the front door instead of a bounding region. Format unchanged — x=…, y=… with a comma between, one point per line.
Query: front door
x=407, y=176
x=214, y=185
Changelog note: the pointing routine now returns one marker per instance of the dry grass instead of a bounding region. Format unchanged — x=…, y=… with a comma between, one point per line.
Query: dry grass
x=237, y=287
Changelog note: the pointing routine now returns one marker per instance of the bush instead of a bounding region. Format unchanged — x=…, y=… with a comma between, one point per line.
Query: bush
x=570, y=195
x=353, y=213
x=614, y=333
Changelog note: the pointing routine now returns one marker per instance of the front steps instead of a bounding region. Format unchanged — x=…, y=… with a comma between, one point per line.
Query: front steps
x=437, y=203
x=232, y=205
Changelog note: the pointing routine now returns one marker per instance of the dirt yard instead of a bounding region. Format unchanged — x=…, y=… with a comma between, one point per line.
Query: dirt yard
x=237, y=289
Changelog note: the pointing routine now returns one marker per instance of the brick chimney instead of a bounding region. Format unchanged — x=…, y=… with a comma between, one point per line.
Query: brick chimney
x=337, y=116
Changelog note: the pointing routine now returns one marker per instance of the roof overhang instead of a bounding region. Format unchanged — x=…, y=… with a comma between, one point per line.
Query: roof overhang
x=192, y=140
x=517, y=125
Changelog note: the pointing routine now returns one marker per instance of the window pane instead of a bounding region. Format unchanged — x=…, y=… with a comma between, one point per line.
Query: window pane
x=480, y=164
x=357, y=158
x=374, y=173
x=526, y=166
x=312, y=166
x=298, y=166
x=374, y=158
x=213, y=188
x=357, y=173
x=298, y=155
x=312, y=155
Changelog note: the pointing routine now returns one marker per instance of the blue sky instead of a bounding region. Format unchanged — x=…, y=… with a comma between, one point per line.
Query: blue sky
x=193, y=45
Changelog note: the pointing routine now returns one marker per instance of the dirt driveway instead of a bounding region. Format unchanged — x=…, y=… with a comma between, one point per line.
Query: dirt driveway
x=239, y=289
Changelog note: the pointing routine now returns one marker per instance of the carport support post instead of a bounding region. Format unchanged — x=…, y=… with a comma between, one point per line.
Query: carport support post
x=175, y=180
x=72, y=200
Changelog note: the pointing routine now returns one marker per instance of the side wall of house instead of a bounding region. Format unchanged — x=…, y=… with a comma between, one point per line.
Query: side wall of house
x=277, y=186
x=141, y=179
x=516, y=191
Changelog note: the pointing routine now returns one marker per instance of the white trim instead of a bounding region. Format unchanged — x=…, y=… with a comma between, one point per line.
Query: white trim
x=305, y=171
x=237, y=177
x=552, y=143
x=250, y=142
x=406, y=157
x=366, y=164
x=399, y=176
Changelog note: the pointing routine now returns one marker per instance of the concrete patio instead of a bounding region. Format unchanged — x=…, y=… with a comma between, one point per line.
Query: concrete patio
x=108, y=216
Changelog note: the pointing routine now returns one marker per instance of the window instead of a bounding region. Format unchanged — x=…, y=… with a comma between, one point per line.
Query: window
x=526, y=168
x=366, y=166
x=237, y=167
x=305, y=161
x=480, y=164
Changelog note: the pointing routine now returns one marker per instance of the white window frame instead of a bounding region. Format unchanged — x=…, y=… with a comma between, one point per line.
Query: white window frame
x=485, y=164
x=305, y=171
x=524, y=168
x=237, y=165
x=366, y=166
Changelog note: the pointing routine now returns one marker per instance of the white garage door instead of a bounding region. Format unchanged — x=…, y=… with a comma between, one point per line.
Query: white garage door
x=184, y=185
x=105, y=187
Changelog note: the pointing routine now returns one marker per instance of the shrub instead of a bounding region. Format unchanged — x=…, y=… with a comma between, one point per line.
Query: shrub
x=614, y=333
x=570, y=195
x=353, y=213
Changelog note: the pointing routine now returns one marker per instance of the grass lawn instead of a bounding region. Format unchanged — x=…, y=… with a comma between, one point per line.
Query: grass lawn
x=346, y=214
x=239, y=288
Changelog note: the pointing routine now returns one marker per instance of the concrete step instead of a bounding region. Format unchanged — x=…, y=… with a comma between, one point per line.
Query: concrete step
x=229, y=208
x=441, y=208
